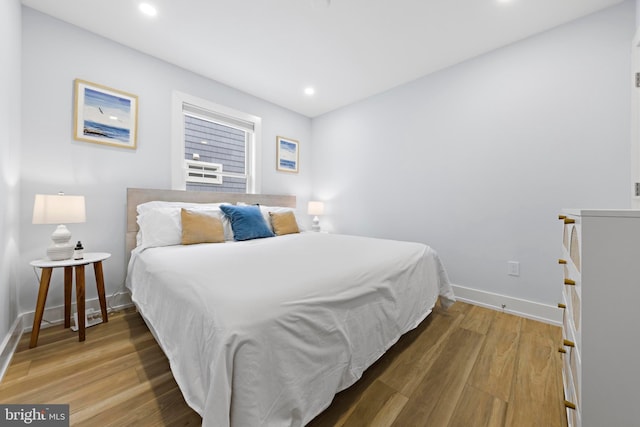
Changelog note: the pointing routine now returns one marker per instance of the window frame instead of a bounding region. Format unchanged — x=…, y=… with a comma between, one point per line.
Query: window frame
x=253, y=154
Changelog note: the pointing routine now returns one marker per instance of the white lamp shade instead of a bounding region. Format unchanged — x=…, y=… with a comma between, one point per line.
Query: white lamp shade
x=315, y=208
x=58, y=209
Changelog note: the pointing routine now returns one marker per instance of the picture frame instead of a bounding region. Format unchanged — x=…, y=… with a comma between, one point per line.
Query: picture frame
x=287, y=154
x=104, y=115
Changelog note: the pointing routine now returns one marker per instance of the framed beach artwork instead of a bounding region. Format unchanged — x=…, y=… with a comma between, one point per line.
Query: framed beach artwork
x=287, y=154
x=104, y=115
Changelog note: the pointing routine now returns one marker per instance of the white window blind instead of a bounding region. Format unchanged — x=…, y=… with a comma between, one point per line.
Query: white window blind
x=206, y=114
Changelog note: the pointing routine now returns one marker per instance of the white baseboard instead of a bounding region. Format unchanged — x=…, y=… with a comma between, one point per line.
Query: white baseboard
x=9, y=344
x=52, y=316
x=55, y=315
x=519, y=307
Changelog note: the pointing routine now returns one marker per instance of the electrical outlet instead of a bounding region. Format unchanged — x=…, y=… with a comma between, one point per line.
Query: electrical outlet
x=91, y=317
x=513, y=268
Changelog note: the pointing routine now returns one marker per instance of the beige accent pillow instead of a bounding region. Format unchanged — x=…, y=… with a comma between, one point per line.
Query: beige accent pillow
x=284, y=223
x=200, y=228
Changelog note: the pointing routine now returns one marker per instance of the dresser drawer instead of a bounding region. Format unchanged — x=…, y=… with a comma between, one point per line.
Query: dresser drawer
x=565, y=237
x=566, y=315
x=571, y=373
x=571, y=404
x=567, y=385
x=573, y=312
x=576, y=373
x=574, y=245
x=573, y=418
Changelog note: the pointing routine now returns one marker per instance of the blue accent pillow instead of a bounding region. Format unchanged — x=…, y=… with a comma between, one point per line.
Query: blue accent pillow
x=247, y=222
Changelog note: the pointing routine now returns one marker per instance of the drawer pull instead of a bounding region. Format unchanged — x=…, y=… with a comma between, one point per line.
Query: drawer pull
x=568, y=343
x=569, y=282
x=562, y=261
x=562, y=216
x=569, y=404
x=560, y=305
x=562, y=350
x=569, y=221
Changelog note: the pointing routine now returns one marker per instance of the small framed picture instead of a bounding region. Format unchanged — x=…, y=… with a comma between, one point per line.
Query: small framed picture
x=104, y=115
x=287, y=154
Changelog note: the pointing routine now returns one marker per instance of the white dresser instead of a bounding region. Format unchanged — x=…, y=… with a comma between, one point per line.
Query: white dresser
x=601, y=331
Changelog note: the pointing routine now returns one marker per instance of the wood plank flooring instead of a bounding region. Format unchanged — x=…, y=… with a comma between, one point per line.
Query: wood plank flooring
x=467, y=366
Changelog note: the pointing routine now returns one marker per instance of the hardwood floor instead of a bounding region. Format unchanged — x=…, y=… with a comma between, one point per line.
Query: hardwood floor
x=467, y=366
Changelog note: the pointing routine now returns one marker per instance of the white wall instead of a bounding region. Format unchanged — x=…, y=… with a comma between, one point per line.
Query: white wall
x=10, y=34
x=54, y=54
x=477, y=160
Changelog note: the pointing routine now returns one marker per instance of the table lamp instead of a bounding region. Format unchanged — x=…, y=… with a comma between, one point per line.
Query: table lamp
x=59, y=209
x=315, y=209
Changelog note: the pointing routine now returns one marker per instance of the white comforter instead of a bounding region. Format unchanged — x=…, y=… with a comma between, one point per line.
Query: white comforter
x=265, y=332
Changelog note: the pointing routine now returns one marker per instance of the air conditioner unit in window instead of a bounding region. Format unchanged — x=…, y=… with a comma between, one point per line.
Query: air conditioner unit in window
x=203, y=172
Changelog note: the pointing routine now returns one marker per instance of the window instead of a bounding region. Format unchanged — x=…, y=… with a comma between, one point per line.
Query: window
x=214, y=148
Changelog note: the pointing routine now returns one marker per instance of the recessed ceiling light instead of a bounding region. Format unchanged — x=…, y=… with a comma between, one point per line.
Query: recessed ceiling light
x=147, y=9
x=309, y=91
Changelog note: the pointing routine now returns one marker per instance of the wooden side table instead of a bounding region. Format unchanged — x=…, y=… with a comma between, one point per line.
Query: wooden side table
x=69, y=265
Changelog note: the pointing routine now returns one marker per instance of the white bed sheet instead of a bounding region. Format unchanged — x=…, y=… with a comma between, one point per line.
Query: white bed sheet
x=265, y=332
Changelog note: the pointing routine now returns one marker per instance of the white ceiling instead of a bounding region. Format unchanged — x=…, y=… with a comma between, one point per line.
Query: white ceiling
x=347, y=51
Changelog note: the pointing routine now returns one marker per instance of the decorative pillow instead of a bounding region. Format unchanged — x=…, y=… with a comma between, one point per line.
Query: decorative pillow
x=201, y=227
x=277, y=209
x=284, y=223
x=247, y=222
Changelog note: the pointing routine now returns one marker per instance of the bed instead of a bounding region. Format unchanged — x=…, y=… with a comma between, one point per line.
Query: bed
x=265, y=331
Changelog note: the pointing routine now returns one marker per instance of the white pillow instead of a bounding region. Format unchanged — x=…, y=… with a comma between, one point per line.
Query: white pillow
x=146, y=207
x=162, y=226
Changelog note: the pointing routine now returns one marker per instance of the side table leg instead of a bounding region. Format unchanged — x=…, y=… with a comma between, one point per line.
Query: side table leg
x=80, y=301
x=45, y=278
x=68, y=283
x=97, y=268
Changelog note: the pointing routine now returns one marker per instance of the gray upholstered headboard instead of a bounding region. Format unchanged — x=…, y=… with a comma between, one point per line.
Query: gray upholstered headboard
x=136, y=196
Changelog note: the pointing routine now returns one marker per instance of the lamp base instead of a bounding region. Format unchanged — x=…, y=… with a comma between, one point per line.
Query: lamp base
x=60, y=252
x=61, y=249
x=315, y=224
